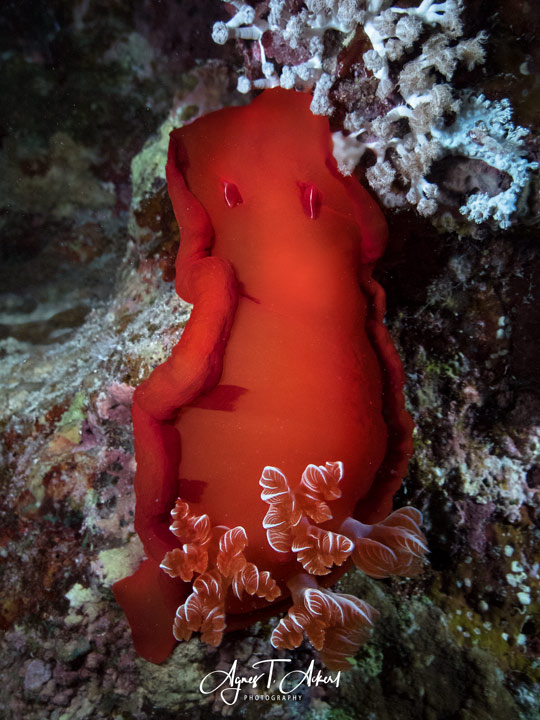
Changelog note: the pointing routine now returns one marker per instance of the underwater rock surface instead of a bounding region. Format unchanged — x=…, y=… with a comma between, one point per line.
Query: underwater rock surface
x=87, y=309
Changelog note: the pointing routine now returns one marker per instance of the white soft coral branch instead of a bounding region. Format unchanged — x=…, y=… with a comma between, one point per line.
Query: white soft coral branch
x=305, y=29
x=484, y=131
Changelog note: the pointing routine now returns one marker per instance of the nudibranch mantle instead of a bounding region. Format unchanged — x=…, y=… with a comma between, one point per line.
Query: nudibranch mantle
x=270, y=444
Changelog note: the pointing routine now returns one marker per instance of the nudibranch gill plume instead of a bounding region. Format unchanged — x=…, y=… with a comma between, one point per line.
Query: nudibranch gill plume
x=271, y=442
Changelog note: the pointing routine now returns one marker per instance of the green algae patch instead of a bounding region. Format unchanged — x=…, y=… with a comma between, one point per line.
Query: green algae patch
x=70, y=424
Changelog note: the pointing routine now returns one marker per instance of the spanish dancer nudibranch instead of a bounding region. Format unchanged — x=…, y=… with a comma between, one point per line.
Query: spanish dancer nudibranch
x=270, y=444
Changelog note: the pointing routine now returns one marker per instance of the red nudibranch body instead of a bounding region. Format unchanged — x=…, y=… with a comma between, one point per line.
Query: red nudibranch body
x=270, y=444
